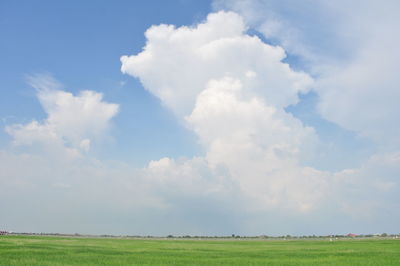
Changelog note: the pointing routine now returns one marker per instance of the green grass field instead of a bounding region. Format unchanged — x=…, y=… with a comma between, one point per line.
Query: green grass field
x=38, y=250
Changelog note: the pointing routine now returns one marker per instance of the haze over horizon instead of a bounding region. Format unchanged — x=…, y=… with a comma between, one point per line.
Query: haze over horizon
x=252, y=117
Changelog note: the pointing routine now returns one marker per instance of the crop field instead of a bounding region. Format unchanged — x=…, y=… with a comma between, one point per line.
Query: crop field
x=39, y=250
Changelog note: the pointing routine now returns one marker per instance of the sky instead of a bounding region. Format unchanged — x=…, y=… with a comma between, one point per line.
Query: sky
x=184, y=117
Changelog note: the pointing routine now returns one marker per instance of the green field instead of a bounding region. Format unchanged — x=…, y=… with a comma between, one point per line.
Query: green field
x=38, y=250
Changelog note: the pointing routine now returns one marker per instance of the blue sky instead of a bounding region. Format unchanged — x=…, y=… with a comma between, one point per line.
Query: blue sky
x=80, y=45
x=215, y=117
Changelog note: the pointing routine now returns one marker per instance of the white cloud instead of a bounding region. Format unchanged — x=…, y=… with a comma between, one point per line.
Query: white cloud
x=177, y=63
x=352, y=49
x=231, y=89
x=370, y=191
x=71, y=123
x=259, y=144
x=282, y=22
x=362, y=94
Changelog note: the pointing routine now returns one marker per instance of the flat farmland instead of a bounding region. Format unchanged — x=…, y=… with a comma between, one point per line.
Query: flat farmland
x=49, y=250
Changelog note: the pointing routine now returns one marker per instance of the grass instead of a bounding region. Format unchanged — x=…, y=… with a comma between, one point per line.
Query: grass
x=38, y=250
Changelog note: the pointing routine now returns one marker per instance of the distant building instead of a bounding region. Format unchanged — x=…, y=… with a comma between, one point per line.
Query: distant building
x=3, y=232
x=351, y=235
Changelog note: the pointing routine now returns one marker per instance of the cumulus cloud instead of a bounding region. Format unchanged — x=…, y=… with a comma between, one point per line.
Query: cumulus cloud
x=352, y=50
x=72, y=121
x=259, y=144
x=231, y=89
x=282, y=22
x=177, y=63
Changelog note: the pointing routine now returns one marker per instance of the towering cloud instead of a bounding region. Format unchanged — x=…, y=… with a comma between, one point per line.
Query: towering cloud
x=350, y=47
x=231, y=89
x=177, y=63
